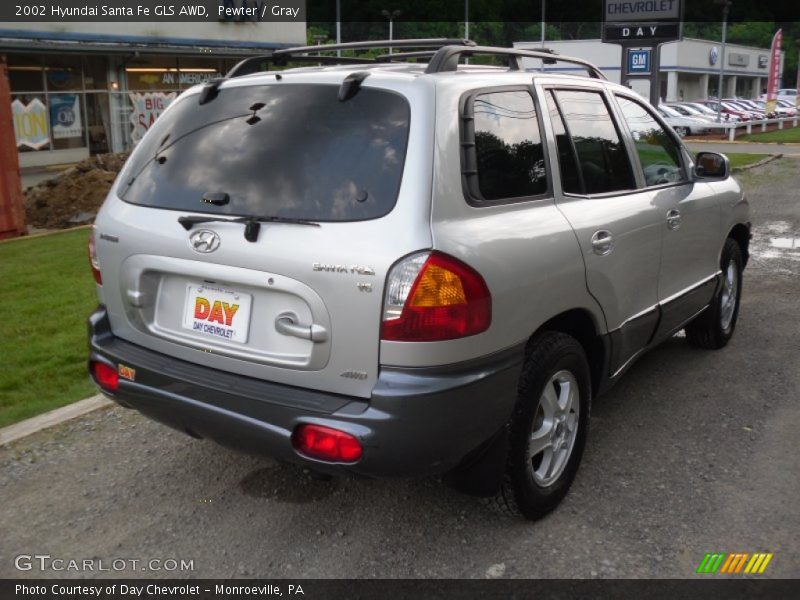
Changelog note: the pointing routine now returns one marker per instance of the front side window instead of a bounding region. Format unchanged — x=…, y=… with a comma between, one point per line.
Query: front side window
x=568, y=167
x=658, y=152
x=508, y=152
x=602, y=157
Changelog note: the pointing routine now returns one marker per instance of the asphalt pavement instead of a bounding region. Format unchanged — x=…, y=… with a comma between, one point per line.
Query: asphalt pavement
x=692, y=452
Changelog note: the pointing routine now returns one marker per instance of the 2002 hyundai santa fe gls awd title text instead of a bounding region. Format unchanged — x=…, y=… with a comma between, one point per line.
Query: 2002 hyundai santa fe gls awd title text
x=398, y=268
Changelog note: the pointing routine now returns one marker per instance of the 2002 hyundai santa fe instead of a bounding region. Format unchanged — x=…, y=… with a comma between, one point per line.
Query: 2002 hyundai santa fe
x=397, y=268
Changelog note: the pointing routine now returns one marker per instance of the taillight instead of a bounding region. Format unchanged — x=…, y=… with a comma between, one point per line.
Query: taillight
x=106, y=377
x=432, y=297
x=93, y=259
x=325, y=443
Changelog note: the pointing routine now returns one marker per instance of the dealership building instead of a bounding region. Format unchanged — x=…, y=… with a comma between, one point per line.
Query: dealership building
x=86, y=88
x=689, y=69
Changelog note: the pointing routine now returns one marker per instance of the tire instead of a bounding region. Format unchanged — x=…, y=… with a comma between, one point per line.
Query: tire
x=682, y=131
x=714, y=327
x=555, y=372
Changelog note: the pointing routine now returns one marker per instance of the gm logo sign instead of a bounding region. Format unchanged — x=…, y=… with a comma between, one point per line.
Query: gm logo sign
x=639, y=61
x=734, y=563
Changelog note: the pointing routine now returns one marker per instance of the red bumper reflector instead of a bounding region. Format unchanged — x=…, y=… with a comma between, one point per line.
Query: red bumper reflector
x=327, y=444
x=106, y=377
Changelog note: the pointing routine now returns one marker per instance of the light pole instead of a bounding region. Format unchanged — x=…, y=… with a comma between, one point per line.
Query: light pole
x=338, y=27
x=726, y=5
x=391, y=16
x=544, y=4
x=466, y=25
x=543, y=27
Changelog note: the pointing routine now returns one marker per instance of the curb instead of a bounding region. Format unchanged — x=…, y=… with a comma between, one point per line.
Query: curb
x=55, y=417
x=763, y=161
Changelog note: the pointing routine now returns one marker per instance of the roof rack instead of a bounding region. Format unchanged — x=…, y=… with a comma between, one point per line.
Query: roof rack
x=446, y=58
x=314, y=54
x=444, y=54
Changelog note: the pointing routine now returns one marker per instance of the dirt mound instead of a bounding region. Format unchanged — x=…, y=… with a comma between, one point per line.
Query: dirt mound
x=74, y=196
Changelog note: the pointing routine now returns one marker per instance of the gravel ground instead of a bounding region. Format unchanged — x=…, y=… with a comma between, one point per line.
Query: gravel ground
x=692, y=452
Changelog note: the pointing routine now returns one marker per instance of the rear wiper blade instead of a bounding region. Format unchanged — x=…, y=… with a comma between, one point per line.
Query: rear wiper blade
x=252, y=225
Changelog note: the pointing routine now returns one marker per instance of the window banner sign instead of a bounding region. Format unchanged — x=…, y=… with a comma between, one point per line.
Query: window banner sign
x=65, y=116
x=147, y=107
x=30, y=124
x=774, y=71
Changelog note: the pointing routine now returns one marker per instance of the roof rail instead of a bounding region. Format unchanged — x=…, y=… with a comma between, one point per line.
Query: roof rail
x=446, y=58
x=413, y=43
x=314, y=54
x=252, y=64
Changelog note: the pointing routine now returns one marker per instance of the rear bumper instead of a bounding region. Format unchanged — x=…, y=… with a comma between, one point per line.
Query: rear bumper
x=417, y=421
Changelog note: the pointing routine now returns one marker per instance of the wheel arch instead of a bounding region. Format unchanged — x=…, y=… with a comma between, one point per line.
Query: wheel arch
x=740, y=233
x=581, y=324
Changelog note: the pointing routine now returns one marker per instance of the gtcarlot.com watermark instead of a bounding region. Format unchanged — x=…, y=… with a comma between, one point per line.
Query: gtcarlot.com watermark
x=48, y=563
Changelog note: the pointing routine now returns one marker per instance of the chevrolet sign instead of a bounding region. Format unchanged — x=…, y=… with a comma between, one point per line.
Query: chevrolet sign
x=627, y=11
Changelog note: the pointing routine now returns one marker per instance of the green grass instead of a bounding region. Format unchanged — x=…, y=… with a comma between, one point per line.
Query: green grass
x=788, y=135
x=46, y=294
x=743, y=159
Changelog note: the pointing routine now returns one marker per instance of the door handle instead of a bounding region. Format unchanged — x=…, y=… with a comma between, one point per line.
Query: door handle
x=602, y=242
x=673, y=219
x=288, y=324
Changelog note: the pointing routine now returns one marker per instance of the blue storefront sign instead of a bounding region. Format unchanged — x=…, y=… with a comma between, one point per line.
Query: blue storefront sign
x=639, y=61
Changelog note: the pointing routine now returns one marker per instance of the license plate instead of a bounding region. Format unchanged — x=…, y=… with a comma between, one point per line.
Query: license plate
x=217, y=313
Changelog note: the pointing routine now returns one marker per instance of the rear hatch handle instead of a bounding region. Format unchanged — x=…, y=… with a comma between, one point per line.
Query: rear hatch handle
x=288, y=323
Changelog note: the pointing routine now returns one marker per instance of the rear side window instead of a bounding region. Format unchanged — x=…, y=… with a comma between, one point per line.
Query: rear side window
x=289, y=150
x=601, y=155
x=658, y=152
x=503, y=153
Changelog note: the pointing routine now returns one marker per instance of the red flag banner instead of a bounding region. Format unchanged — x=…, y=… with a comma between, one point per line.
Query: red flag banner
x=774, y=71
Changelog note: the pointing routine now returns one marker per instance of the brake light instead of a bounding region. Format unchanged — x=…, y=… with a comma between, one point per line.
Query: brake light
x=325, y=443
x=93, y=259
x=432, y=297
x=106, y=377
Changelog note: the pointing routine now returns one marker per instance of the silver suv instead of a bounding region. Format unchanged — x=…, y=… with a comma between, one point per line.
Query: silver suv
x=401, y=268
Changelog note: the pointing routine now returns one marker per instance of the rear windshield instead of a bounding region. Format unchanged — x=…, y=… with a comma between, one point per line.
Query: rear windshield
x=288, y=150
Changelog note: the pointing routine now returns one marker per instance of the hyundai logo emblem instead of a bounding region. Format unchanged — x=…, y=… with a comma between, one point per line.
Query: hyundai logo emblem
x=204, y=240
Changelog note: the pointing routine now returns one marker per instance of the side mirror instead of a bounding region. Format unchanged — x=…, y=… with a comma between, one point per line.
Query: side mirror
x=710, y=165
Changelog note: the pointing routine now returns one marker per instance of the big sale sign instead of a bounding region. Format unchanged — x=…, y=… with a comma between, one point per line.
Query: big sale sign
x=147, y=107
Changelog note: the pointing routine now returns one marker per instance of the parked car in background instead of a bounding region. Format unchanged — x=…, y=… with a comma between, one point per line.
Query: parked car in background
x=728, y=112
x=750, y=114
x=759, y=106
x=789, y=94
x=682, y=124
x=705, y=110
x=688, y=110
x=786, y=108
